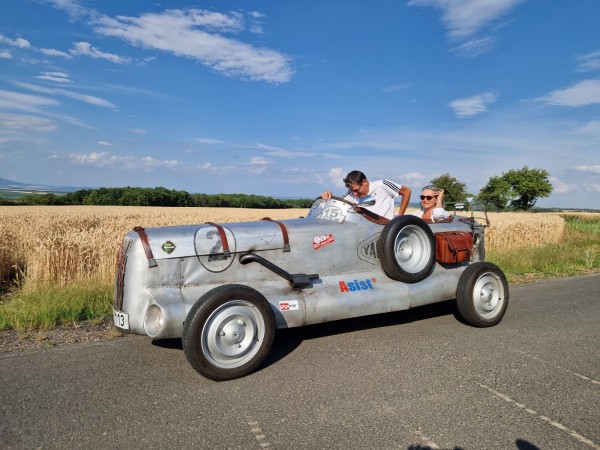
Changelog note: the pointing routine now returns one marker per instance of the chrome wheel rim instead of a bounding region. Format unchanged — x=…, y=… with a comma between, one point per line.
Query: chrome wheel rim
x=488, y=295
x=412, y=248
x=232, y=334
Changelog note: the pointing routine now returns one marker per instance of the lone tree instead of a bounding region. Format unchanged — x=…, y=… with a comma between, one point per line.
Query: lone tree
x=497, y=192
x=524, y=186
x=454, y=190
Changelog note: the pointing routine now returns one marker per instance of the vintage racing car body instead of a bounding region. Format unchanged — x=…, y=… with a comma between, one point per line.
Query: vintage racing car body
x=225, y=288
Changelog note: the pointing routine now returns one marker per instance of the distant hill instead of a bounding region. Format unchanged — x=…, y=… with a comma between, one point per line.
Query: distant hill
x=4, y=183
x=11, y=185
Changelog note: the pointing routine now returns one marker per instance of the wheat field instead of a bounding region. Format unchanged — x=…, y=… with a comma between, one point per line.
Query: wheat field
x=61, y=244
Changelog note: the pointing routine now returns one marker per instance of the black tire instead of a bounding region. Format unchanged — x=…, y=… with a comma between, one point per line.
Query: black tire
x=228, y=332
x=406, y=249
x=482, y=294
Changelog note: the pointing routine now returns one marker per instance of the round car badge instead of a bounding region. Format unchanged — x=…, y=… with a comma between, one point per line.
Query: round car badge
x=168, y=247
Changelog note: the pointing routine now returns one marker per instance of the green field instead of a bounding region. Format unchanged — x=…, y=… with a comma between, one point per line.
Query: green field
x=50, y=306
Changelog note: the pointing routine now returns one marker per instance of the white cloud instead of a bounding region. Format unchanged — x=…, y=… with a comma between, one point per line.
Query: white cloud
x=414, y=176
x=591, y=129
x=5, y=54
x=25, y=122
x=104, y=144
x=138, y=131
x=57, y=77
x=560, y=187
x=584, y=93
x=18, y=42
x=150, y=162
x=284, y=153
x=53, y=52
x=24, y=102
x=206, y=166
x=464, y=18
x=336, y=176
x=105, y=159
x=71, y=7
x=476, y=46
x=259, y=164
x=471, y=106
x=592, y=187
x=592, y=169
x=89, y=99
x=86, y=49
x=205, y=141
x=192, y=33
x=589, y=61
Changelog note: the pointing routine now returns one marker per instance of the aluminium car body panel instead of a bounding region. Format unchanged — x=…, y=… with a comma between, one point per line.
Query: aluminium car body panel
x=334, y=241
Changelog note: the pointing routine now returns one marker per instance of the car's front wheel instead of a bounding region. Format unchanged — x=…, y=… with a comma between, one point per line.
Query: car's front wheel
x=228, y=332
x=482, y=294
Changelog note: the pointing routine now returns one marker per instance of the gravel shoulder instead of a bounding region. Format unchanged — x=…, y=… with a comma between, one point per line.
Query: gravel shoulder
x=66, y=334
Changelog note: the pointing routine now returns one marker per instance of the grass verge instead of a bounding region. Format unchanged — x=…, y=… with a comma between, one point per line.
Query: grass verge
x=579, y=253
x=45, y=308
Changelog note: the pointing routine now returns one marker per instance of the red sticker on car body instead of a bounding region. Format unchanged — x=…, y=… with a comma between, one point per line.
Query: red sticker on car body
x=322, y=241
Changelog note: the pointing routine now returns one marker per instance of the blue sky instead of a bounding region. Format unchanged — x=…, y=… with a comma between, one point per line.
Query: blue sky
x=283, y=98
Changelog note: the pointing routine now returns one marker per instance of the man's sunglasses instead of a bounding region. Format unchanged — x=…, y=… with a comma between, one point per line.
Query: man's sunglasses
x=428, y=197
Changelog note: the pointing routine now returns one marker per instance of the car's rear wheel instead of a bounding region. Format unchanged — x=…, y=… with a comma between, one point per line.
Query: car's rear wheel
x=228, y=332
x=406, y=249
x=482, y=294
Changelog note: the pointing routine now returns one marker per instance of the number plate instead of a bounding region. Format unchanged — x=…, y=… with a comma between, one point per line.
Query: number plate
x=121, y=319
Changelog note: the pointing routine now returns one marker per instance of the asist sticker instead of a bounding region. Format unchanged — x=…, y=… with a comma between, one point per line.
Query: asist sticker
x=288, y=305
x=322, y=241
x=357, y=285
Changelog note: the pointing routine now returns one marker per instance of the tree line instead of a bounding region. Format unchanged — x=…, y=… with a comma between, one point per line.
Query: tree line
x=159, y=196
x=517, y=189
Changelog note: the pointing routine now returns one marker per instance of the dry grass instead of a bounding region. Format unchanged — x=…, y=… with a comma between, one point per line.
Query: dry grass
x=60, y=244
x=509, y=231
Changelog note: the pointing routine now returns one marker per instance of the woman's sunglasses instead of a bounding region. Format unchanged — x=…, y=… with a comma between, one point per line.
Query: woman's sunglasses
x=427, y=197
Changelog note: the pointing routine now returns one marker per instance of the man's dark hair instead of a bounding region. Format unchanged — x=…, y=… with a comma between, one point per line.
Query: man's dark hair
x=354, y=177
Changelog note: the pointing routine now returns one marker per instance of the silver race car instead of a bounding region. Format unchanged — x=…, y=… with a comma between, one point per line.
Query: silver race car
x=225, y=288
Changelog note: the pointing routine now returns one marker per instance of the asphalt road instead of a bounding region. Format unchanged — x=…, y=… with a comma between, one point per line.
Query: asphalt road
x=417, y=379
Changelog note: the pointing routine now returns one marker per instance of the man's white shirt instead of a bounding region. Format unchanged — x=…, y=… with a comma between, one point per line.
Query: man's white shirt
x=384, y=191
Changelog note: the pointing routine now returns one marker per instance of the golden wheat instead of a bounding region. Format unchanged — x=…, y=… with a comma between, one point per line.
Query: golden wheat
x=67, y=243
x=60, y=244
x=517, y=230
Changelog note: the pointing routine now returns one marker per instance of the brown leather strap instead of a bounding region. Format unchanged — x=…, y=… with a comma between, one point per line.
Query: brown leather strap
x=223, y=236
x=286, y=241
x=144, y=238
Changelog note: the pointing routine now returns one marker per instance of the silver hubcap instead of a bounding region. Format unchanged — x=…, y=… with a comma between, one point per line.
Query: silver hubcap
x=232, y=334
x=488, y=295
x=412, y=248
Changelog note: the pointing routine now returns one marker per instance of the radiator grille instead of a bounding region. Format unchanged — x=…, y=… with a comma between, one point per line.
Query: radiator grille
x=120, y=273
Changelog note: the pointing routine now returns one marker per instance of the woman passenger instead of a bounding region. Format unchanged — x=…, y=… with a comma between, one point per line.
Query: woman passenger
x=432, y=204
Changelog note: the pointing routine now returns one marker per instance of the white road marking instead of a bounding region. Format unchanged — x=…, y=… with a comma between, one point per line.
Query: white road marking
x=534, y=413
x=427, y=441
x=257, y=432
x=558, y=367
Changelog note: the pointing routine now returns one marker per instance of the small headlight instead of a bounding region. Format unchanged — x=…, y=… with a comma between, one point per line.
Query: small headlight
x=154, y=320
